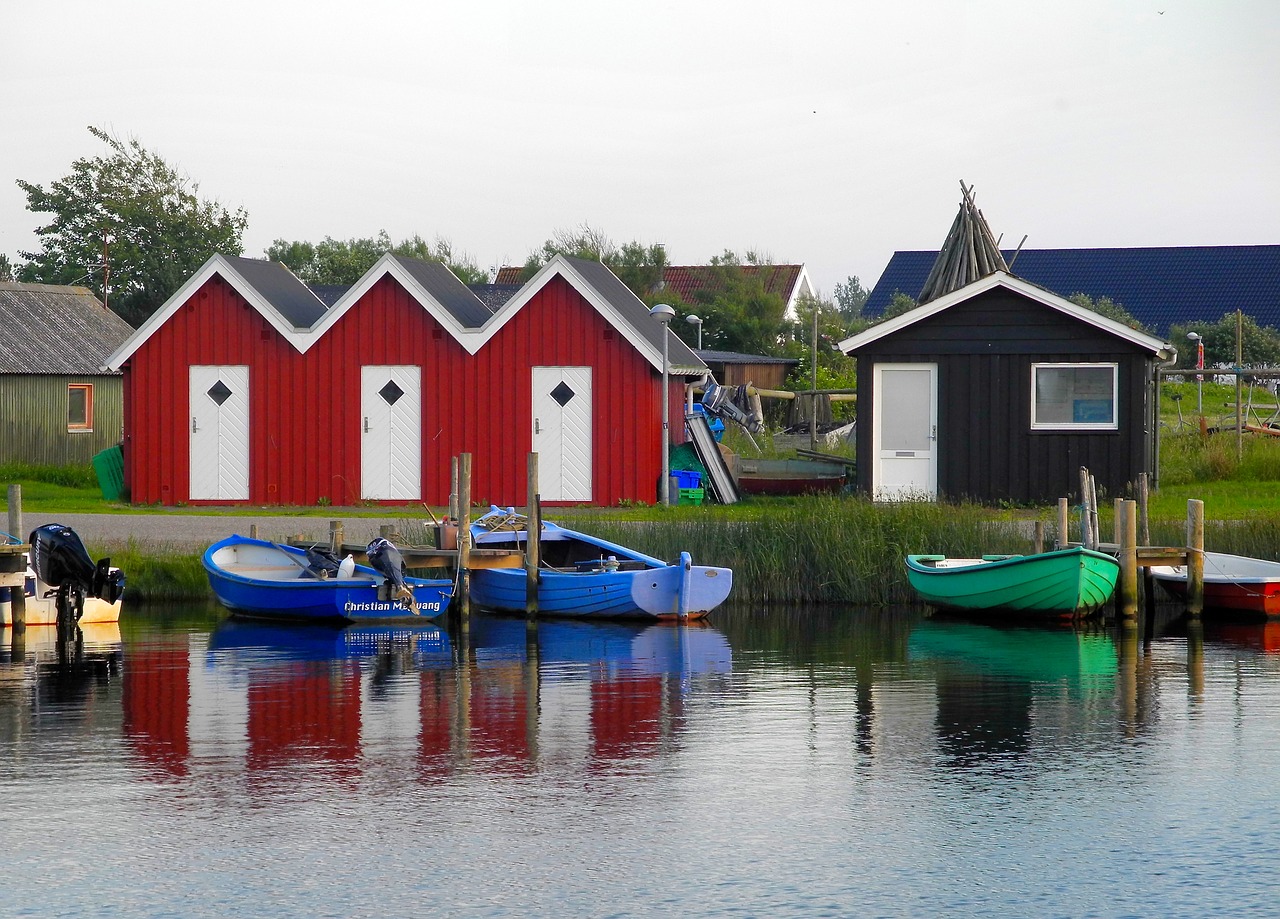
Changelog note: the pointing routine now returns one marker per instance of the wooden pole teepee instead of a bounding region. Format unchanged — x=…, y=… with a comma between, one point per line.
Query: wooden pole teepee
x=969, y=253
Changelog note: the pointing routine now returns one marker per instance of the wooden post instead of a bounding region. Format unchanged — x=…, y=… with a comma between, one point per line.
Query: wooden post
x=1093, y=510
x=533, y=544
x=1144, y=523
x=1117, y=504
x=1195, y=557
x=1064, y=522
x=1038, y=537
x=1086, y=527
x=253, y=531
x=336, y=536
x=15, y=513
x=1127, y=532
x=464, y=536
x=17, y=595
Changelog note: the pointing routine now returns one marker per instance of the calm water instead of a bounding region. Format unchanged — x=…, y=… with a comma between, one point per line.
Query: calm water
x=779, y=763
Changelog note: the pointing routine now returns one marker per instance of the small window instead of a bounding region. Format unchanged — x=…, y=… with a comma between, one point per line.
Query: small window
x=80, y=407
x=1074, y=397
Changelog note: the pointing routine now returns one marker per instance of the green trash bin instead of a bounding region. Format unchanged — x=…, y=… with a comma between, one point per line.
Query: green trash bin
x=109, y=465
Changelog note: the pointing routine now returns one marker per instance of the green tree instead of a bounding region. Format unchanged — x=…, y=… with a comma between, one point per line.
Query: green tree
x=637, y=265
x=737, y=312
x=1105, y=306
x=6, y=269
x=1261, y=344
x=132, y=213
x=850, y=298
x=899, y=303
x=344, y=261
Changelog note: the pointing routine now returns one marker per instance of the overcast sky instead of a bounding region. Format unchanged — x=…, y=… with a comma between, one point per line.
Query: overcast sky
x=829, y=132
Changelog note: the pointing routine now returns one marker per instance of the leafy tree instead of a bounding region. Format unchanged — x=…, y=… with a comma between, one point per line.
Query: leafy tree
x=137, y=214
x=738, y=313
x=851, y=297
x=336, y=261
x=835, y=370
x=1261, y=344
x=638, y=266
x=899, y=303
x=1105, y=306
x=6, y=269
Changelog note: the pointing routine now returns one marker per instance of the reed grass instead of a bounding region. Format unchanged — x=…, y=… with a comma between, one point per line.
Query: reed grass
x=158, y=576
x=823, y=549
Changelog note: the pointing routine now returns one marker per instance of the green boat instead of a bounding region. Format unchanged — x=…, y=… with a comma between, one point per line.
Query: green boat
x=1067, y=582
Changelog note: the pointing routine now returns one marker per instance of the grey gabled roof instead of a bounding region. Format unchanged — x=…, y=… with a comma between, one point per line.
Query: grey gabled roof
x=56, y=330
x=633, y=310
x=444, y=286
x=280, y=287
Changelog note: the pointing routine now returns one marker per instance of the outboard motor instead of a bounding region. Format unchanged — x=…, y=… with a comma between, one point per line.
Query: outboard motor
x=60, y=560
x=387, y=560
x=718, y=400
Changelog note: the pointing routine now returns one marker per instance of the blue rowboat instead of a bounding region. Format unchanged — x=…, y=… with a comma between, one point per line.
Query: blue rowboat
x=583, y=576
x=253, y=577
x=1068, y=582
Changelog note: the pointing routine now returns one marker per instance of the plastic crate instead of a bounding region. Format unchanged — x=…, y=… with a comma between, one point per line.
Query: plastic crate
x=687, y=478
x=691, y=496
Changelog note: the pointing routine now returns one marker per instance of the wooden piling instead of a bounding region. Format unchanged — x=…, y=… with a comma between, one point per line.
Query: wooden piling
x=1144, y=522
x=533, y=545
x=1086, y=524
x=18, y=594
x=336, y=536
x=1064, y=522
x=464, y=537
x=1195, y=557
x=253, y=531
x=1127, y=533
x=1038, y=537
x=15, y=513
x=1115, y=523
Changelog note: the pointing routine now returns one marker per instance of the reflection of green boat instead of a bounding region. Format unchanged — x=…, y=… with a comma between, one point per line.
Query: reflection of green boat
x=1068, y=582
x=1036, y=655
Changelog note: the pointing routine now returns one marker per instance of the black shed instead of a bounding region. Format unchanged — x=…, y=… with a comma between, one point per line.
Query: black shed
x=1000, y=391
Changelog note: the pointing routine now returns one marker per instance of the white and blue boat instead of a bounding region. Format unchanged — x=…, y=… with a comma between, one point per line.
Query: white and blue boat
x=257, y=578
x=583, y=576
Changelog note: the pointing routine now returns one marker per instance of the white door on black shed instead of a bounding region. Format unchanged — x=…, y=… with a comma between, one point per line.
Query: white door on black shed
x=905, y=432
x=219, y=403
x=562, y=432
x=391, y=433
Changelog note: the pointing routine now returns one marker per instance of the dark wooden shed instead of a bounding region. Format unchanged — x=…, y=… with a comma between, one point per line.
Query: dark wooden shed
x=1000, y=391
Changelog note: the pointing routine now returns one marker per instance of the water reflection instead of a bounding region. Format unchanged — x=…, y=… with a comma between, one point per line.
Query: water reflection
x=502, y=693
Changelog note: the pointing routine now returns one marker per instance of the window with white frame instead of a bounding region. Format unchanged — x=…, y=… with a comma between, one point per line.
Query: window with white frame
x=80, y=407
x=1074, y=397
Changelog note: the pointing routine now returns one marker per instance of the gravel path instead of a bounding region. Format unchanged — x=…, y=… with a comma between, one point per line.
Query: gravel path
x=194, y=533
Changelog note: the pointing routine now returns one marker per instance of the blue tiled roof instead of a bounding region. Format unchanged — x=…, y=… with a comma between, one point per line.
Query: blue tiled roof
x=1160, y=287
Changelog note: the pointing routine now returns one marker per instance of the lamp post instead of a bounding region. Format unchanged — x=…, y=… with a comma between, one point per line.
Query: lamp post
x=1199, y=340
x=694, y=320
x=664, y=314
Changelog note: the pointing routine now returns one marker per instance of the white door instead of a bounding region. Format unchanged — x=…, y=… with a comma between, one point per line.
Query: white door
x=562, y=432
x=905, y=432
x=391, y=433
x=219, y=403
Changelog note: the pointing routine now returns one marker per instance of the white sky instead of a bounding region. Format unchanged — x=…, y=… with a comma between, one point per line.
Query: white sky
x=830, y=132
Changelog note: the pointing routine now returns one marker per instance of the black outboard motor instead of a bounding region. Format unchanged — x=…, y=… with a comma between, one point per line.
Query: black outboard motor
x=387, y=560
x=60, y=560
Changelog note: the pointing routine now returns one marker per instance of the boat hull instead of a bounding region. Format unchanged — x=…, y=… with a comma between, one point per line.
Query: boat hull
x=1232, y=583
x=586, y=585
x=1069, y=582
x=43, y=610
x=259, y=579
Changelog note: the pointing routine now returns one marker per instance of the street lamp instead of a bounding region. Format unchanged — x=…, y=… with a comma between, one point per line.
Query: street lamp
x=664, y=314
x=1199, y=340
x=694, y=320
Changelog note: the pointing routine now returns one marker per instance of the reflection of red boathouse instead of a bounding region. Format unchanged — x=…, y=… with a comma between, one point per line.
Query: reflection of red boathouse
x=502, y=709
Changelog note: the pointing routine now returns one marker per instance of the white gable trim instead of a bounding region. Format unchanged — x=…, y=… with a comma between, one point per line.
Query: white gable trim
x=802, y=288
x=562, y=267
x=219, y=267
x=1031, y=291
x=390, y=265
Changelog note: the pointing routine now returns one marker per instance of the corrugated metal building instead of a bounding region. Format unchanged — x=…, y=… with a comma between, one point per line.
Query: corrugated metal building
x=247, y=387
x=58, y=404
